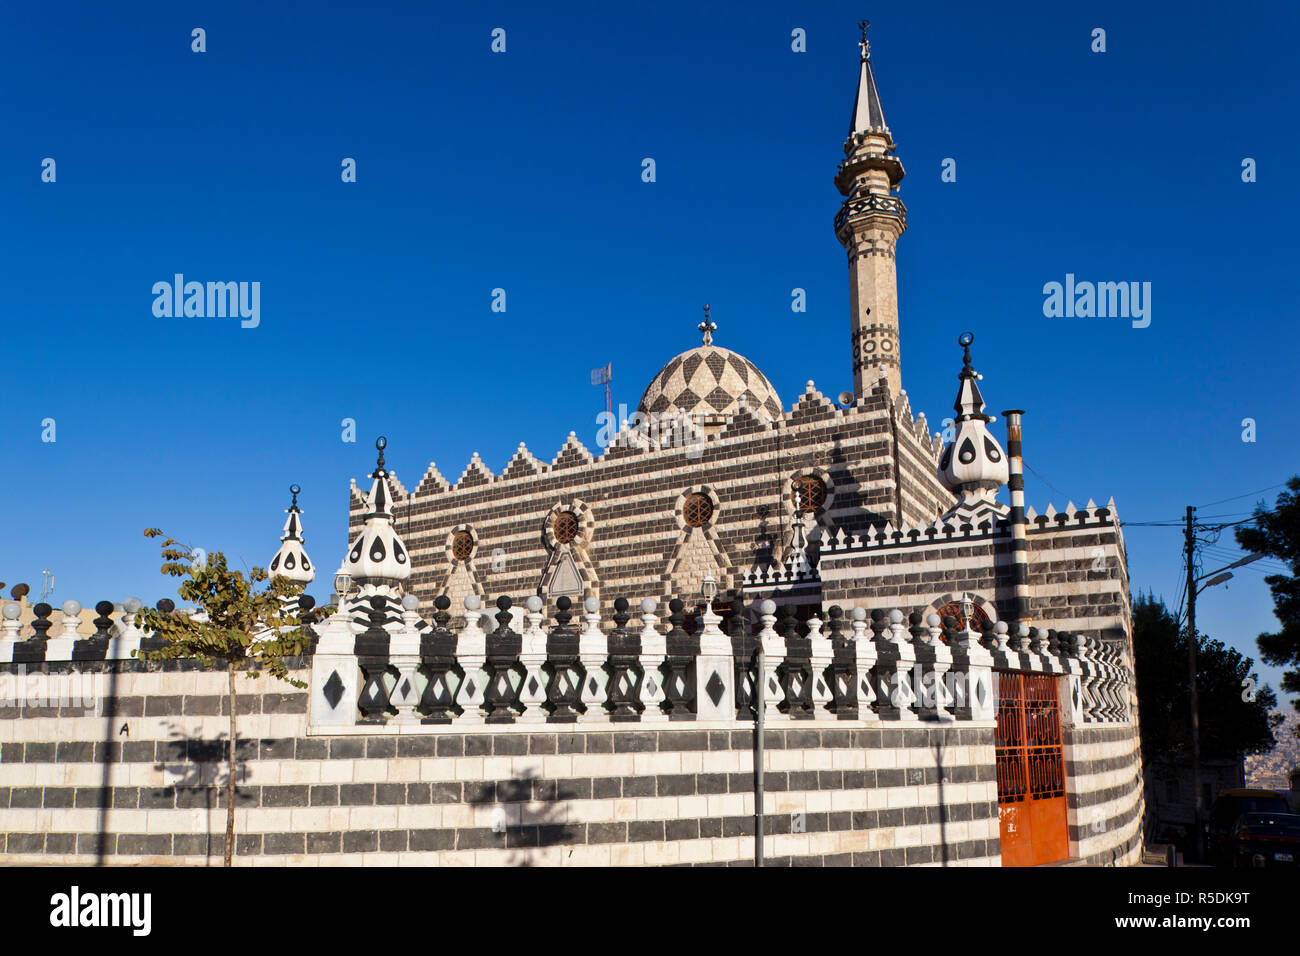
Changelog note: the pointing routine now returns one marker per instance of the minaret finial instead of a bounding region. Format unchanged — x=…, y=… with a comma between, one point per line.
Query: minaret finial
x=708, y=326
x=966, y=340
x=380, y=443
x=864, y=44
x=295, y=490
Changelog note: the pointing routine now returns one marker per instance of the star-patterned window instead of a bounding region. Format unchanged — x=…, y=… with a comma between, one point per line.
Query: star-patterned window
x=565, y=527
x=462, y=545
x=697, y=510
x=809, y=493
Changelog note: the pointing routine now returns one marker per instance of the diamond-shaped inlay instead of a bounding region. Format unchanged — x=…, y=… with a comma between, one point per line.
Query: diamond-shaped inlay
x=532, y=685
x=715, y=688
x=1074, y=693
x=333, y=690
x=651, y=687
x=593, y=686
x=773, y=687
x=406, y=687
x=470, y=689
x=866, y=686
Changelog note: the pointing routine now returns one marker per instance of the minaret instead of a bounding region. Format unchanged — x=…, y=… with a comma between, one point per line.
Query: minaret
x=291, y=561
x=973, y=464
x=378, y=557
x=868, y=225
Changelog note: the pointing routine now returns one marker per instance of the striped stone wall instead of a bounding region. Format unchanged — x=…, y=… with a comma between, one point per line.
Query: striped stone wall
x=142, y=782
x=629, y=501
x=1103, y=765
x=1077, y=570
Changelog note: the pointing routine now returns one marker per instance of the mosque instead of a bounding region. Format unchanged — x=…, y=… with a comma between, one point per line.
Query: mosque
x=807, y=630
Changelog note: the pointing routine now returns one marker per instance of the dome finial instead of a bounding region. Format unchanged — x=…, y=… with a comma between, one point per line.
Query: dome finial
x=966, y=340
x=708, y=326
x=291, y=560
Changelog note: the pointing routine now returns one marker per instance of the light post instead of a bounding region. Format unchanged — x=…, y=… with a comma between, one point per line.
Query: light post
x=342, y=584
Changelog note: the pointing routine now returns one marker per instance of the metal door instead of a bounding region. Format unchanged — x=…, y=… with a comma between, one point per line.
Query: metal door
x=1031, y=770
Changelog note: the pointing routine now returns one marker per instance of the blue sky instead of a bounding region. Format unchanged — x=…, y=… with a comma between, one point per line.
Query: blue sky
x=522, y=171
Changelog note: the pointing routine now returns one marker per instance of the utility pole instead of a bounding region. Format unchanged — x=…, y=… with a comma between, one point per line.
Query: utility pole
x=1190, y=551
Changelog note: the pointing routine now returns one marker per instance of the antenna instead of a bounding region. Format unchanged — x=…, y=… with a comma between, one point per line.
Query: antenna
x=603, y=376
x=47, y=587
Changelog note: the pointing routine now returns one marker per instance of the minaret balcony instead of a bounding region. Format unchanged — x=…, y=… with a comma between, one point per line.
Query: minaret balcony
x=871, y=206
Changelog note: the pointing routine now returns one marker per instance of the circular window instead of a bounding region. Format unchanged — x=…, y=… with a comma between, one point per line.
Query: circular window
x=697, y=510
x=462, y=545
x=565, y=527
x=809, y=493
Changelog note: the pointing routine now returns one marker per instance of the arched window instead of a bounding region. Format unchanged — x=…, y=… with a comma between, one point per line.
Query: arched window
x=565, y=527
x=809, y=493
x=462, y=545
x=697, y=510
x=953, y=610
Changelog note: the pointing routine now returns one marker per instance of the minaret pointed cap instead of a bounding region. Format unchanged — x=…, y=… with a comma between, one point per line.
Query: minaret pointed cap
x=291, y=559
x=868, y=114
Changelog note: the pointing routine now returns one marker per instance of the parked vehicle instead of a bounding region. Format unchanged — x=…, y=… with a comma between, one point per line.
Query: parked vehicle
x=1265, y=840
x=1230, y=805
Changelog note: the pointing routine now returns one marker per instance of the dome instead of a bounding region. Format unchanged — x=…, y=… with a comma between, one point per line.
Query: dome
x=711, y=382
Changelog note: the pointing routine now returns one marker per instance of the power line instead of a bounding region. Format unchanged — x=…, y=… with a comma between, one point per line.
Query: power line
x=1246, y=495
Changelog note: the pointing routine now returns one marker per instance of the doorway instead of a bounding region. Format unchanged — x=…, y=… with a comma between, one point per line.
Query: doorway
x=1031, y=770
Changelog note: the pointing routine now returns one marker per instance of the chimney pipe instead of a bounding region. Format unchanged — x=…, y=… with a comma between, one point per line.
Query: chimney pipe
x=1019, y=544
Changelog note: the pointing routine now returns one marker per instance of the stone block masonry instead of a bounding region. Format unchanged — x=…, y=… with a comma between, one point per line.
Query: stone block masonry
x=142, y=782
x=76, y=789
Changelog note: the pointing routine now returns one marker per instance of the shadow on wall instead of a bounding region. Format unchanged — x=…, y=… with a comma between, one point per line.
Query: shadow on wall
x=943, y=806
x=540, y=822
x=196, y=770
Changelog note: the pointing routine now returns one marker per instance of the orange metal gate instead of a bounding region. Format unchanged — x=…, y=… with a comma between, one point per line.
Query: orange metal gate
x=1031, y=770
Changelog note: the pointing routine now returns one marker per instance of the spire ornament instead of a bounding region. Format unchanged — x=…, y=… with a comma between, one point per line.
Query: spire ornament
x=291, y=561
x=378, y=554
x=864, y=44
x=973, y=464
x=708, y=326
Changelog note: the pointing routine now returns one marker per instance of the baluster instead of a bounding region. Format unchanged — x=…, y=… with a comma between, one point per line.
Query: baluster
x=592, y=651
x=438, y=656
x=565, y=684
x=773, y=644
x=744, y=651
x=864, y=654
x=532, y=661
x=371, y=649
x=624, y=667
x=653, y=651
x=796, y=672
x=504, y=644
x=679, y=665
x=934, y=660
x=471, y=650
x=843, y=667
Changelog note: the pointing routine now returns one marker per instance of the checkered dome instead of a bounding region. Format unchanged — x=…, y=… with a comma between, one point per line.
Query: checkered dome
x=711, y=381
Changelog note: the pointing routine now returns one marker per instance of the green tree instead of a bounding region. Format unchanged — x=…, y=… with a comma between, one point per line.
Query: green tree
x=247, y=628
x=1231, y=726
x=1277, y=534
